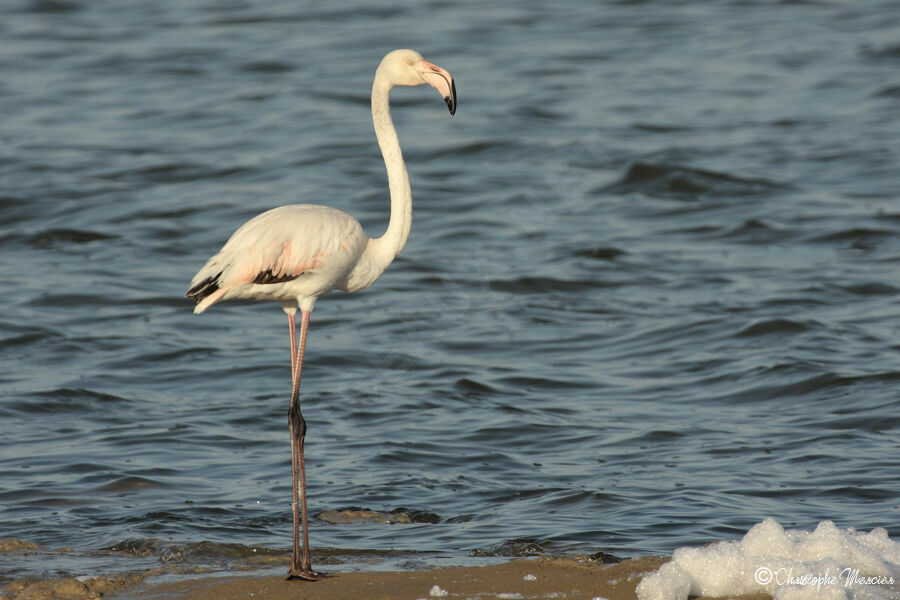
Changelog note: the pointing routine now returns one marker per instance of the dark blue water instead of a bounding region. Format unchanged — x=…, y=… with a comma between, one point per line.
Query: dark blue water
x=650, y=296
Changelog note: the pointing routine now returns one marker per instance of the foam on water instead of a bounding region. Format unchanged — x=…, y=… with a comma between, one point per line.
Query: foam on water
x=825, y=564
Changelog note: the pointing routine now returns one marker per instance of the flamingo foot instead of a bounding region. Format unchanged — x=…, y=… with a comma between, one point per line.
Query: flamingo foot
x=305, y=574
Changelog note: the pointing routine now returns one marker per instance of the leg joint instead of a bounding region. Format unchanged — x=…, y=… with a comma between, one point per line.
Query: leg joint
x=296, y=420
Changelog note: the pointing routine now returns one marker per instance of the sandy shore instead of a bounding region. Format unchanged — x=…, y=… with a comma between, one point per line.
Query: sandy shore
x=516, y=580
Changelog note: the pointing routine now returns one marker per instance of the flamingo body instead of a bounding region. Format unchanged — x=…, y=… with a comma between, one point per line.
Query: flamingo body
x=295, y=254
x=290, y=254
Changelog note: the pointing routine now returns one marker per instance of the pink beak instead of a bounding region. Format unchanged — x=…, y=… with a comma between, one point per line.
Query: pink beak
x=442, y=81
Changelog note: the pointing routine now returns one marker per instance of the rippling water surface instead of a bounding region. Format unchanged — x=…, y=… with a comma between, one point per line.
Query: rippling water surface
x=650, y=296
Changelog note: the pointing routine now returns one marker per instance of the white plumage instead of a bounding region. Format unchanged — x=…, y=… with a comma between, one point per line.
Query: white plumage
x=314, y=249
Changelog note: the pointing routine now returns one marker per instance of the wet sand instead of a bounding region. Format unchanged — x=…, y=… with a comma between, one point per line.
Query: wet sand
x=516, y=580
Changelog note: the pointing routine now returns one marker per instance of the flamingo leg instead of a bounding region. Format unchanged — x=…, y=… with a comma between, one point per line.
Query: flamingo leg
x=301, y=567
x=292, y=328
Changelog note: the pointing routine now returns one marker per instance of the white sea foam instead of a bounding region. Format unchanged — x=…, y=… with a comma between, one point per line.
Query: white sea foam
x=825, y=564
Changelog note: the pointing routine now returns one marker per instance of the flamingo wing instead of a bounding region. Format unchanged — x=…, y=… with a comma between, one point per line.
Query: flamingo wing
x=280, y=246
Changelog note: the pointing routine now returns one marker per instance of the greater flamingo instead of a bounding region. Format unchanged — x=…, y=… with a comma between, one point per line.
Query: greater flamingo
x=294, y=254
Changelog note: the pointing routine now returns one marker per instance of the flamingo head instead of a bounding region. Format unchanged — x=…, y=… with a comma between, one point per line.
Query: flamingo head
x=407, y=67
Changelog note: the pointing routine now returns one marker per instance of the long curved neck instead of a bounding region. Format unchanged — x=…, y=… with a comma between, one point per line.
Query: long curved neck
x=388, y=246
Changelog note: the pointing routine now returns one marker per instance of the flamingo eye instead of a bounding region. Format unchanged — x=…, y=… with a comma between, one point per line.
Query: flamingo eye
x=410, y=62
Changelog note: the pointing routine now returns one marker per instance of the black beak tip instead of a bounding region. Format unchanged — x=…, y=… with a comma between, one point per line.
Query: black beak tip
x=451, y=99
